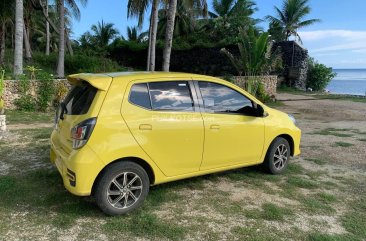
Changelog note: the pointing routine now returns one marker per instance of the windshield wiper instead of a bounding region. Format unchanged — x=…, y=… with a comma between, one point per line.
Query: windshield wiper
x=63, y=110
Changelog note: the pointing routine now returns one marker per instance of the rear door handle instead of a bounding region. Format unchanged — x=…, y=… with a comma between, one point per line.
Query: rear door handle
x=215, y=127
x=146, y=127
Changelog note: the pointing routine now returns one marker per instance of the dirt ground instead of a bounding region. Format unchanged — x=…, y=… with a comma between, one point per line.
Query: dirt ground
x=321, y=197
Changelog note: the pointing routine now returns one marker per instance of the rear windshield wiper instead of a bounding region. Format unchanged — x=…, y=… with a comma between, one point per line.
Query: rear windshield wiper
x=63, y=110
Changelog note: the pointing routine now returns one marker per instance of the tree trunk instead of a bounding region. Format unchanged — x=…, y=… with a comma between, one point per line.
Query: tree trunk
x=169, y=34
x=149, y=49
x=61, y=43
x=154, y=28
x=47, y=32
x=2, y=44
x=68, y=43
x=18, y=48
x=28, y=52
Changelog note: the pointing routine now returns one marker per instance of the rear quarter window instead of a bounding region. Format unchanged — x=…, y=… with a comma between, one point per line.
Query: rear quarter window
x=79, y=99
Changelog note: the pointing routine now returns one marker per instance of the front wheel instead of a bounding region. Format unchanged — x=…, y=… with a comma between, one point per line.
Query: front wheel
x=122, y=188
x=277, y=157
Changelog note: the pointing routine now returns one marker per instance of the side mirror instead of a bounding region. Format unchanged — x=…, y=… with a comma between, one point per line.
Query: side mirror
x=259, y=110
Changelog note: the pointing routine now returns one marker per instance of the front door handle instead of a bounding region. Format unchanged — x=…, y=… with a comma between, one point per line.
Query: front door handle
x=215, y=127
x=146, y=127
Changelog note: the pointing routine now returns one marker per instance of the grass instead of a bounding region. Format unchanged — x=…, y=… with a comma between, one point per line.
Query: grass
x=269, y=211
x=23, y=117
x=343, y=144
x=333, y=132
x=197, y=208
x=362, y=139
x=301, y=182
x=317, y=161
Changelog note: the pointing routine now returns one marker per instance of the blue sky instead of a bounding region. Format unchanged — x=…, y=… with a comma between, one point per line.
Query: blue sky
x=338, y=41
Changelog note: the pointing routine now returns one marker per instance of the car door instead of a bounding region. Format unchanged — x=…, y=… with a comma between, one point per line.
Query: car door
x=234, y=135
x=165, y=121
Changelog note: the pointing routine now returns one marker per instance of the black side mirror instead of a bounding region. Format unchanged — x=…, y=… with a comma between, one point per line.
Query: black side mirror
x=259, y=110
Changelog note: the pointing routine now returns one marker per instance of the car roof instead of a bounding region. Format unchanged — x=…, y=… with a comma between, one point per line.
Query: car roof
x=153, y=74
x=102, y=81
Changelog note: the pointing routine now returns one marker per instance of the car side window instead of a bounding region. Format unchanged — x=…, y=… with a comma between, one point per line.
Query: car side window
x=218, y=98
x=171, y=95
x=139, y=95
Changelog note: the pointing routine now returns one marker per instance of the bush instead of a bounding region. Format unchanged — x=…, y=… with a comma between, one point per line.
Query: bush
x=319, y=76
x=26, y=101
x=76, y=64
x=46, y=90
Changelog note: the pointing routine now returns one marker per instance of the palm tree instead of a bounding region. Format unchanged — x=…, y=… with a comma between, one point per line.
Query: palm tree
x=6, y=17
x=18, y=48
x=103, y=33
x=133, y=34
x=256, y=55
x=228, y=8
x=291, y=17
x=184, y=19
x=169, y=34
x=71, y=4
x=170, y=23
x=137, y=8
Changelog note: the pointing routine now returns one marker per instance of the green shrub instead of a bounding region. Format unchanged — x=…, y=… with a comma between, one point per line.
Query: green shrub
x=79, y=63
x=261, y=93
x=46, y=90
x=61, y=90
x=26, y=101
x=319, y=76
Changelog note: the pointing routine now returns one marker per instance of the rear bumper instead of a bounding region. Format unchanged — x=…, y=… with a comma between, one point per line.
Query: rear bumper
x=78, y=169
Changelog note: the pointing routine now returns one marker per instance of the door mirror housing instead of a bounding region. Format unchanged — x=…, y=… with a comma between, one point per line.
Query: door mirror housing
x=259, y=110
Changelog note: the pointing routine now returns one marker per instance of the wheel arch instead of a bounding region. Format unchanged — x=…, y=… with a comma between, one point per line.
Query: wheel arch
x=290, y=140
x=146, y=166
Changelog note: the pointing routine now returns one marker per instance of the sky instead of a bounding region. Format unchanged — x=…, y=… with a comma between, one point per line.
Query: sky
x=338, y=41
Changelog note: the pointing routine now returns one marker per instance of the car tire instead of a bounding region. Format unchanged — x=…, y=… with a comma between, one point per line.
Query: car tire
x=122, y=187
x=277, y=157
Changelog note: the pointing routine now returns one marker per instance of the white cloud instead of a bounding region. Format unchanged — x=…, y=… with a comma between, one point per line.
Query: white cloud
x=326, y=34
x=342, y=40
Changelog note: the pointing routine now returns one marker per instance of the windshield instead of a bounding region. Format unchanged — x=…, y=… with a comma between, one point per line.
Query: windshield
x=79, y=99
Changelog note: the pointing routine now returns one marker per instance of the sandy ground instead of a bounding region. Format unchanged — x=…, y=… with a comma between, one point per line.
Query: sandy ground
x=346, y=117
x=324, y=123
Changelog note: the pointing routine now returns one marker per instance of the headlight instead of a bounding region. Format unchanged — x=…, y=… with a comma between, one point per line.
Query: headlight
x=292, y=118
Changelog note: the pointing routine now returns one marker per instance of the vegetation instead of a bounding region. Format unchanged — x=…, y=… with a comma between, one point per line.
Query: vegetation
x=2, y=90
x=290, y=18
x=319, y=76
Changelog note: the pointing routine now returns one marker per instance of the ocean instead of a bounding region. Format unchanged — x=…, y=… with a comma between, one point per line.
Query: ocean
x=348, y=81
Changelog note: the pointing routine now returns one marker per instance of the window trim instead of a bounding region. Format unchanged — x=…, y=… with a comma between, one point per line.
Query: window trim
x=191, y=88
x=205, y=110
x=148, y=92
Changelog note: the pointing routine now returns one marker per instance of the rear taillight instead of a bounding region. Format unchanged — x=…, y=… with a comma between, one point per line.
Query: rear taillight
x=81, y=132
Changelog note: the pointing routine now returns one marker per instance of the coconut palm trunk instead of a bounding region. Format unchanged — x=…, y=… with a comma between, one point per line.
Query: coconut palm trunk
x=2, y=44
x=18, y=46
x=48, y=37
x=169, y=34
x=61, y=43
x=153, y=33
x=27, y=48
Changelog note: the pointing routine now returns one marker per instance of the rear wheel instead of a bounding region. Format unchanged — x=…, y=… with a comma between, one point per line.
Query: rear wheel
x=122, y=188
x=277, y=157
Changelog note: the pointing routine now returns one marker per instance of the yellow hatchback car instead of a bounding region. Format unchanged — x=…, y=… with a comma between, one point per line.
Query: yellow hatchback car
x=117, y=134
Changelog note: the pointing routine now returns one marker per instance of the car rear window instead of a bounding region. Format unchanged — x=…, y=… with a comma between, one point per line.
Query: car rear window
x=79, y=99
x=139, y=95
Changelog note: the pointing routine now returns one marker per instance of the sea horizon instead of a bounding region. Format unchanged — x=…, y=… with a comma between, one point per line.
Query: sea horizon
x=348, y=81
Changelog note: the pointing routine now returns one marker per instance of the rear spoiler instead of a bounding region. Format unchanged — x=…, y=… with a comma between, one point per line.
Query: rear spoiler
x=99, y=81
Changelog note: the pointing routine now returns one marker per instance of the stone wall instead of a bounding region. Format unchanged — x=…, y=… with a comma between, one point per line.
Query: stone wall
x=295, y=63
x=269, y=82
x=12, y=91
